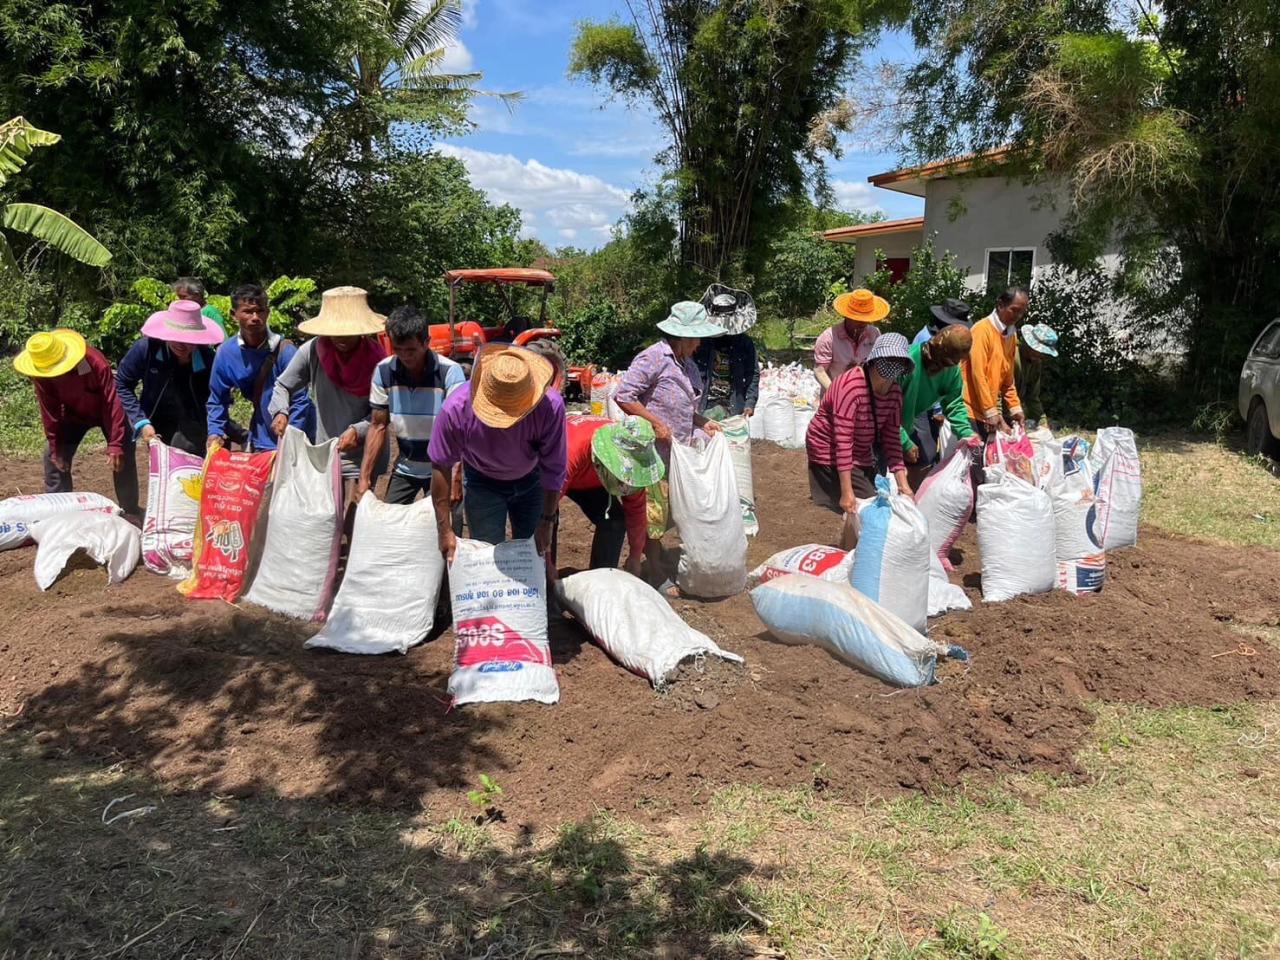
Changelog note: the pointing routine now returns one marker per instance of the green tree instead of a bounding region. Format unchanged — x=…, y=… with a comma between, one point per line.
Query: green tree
x=749, y=92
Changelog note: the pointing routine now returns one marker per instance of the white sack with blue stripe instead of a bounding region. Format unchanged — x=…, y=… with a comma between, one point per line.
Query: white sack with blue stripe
x=800, y=609
x=891, y=564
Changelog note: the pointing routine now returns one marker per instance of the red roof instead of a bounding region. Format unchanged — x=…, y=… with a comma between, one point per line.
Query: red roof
x=876, y=229
x=525, y=275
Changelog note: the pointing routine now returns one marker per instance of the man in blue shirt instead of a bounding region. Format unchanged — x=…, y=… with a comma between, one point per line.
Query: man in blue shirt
x=249, y=363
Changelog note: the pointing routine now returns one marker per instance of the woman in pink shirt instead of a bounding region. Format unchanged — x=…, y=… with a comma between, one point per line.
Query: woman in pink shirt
x=849, y=343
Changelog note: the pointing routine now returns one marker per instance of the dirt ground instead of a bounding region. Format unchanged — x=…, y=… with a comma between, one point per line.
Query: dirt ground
x=214, y=697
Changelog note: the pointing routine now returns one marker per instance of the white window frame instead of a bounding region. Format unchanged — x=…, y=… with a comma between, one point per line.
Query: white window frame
x=986, y=263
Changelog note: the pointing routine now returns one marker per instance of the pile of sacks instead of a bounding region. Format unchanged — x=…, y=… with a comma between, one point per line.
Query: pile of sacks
x=787, y=402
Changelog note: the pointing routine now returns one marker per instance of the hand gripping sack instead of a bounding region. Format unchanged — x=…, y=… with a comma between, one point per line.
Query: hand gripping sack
x=735, y=431
x=173, y=507
x=1015, y=537
x=1117, y=488
x=634, y=624
x=231, y=494
x=304, y=530
x=705, y=507
x=17, y=514
x=813, y=559
x=891, y=564
x=387, y=601
x=799, y=609
x=1081, y=562
x=946, y=500
x=109, y=539
x=500, y=624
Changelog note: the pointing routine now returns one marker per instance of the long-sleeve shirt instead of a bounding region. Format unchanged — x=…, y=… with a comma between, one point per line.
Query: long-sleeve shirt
x=235, y=367
x=535, y=443
x=668, y=387
x=922, y=391
x=175, y=396
x=1029, y=375
x=335, y=408
x=581, y=474
x=744, y=370
x=842, y=434
x=84, y=396
x=988, y=373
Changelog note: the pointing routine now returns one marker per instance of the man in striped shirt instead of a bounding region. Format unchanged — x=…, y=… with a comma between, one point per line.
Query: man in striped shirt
x=407, y=392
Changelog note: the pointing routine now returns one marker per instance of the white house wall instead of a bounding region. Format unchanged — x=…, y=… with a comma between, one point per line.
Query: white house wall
x=893, y=245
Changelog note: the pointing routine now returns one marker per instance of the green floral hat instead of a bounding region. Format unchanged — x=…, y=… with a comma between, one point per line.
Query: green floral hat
x=626, y=451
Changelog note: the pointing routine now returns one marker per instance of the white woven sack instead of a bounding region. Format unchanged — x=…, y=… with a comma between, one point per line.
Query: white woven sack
x=1118, y=488
x=1081, y=562
x=499, y=598
x=1015, y=537
x=804, y=416
x=387, y=601
x=779, y=415
x=799, y=609
x=109, y=539
x=17, y=514
x=755, y=426
x=947, y=440
x=634, y=624
x=304, y=529
x=735, y=431
x=813, y=559
x=706, y=510
x=891, y=565
x=943, y=594
x=946, y=500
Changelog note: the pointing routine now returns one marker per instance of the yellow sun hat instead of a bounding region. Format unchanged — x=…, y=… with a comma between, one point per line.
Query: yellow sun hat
x=50, y=354
x=507, y=384
x=861, y=305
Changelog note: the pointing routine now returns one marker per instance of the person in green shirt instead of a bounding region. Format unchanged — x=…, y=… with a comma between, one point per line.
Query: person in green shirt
x=190, y=288
x=935, y=379
x=1038, y=341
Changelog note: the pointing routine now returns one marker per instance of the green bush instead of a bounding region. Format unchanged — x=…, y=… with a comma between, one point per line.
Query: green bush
x=931, y=279
x=603, y=334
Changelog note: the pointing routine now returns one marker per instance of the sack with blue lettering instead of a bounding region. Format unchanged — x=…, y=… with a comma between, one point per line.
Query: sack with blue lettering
x=800, y=609
x=891, y=564
x=499, y=596
x=1082, y=565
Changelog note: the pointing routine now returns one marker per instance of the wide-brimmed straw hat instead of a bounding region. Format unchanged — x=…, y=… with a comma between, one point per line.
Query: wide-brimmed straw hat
x=861, y=305
x=507, y=384
x=183, y=322
x=1042, y=338
x=626, y=450
x=344, y=312
x=689, y=319
x=50, y=354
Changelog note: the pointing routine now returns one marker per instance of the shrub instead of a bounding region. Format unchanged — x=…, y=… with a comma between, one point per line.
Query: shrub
x=931, y=279
x=604, y=334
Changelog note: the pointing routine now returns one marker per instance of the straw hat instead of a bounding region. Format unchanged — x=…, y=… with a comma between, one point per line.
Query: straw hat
x=50, y=354
x=507, y=384
x=344, y=312
x=861, y=305
x=183, y=322
x=626, y=451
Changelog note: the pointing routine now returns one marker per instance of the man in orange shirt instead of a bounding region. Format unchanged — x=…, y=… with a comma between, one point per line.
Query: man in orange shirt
x=988, y=373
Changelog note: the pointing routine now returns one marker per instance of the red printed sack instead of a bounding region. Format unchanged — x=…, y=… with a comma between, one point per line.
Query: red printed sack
x=230, y=501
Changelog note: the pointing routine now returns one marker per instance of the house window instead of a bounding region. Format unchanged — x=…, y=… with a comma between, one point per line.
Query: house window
x=897, y=267
x=1008, y=267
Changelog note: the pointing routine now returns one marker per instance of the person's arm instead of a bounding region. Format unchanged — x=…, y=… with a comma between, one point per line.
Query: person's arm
x=295, y=376
x=635, y=511
x=375, y=441
x=822, y=353
x=219, y=398
x=986, y=403
x=114, y=425
x=904, y=439
x=952, y=402
x=843, y=412
x=49, y=401
x=890, y=443
x=634, y=384
x=1009, y=390
x=444, y=511
x=128, y=375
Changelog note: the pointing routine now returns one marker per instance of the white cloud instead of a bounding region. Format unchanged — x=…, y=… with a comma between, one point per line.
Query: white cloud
x=564, y=204
x=457, y=58
x=469, y=14
x=853, y=195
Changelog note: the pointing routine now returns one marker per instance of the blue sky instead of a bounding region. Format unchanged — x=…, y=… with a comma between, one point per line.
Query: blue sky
x=566, y=158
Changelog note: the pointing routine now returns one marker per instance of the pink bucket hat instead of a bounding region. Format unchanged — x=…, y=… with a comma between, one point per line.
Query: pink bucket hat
x=183, y=323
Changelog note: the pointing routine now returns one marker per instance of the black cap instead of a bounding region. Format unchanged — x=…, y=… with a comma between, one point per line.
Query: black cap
x=951, y=311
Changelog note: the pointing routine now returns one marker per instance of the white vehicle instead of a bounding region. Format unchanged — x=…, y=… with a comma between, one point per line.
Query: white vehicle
x=1260, y=392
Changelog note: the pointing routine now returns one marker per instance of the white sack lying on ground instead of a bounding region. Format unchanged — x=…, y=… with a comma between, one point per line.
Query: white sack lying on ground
x=110, y=540
x=304, y=530
x=891, y=564
x=387, y=601
x=945, y=498
x=1118, y=488
x=499, y=598
x=634, y=624
x=814, y=559
x=1015, y=537
x=17, y=514
x=736, y=432
x=799, y=609
x=705, y=508
x=173, y=507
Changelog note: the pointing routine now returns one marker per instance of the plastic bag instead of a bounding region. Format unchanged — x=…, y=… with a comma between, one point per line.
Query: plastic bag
x=735, y=431
x=304, y=530
x=634, y=624
x=500, y=624
x=891, y=564
x=17, y=514
x=814, y=559
x=946, y=500
x=173, y=507
x=1015, y=537
x=231, y=494
x=705, y=507
x=110, y=540
x=392, y=546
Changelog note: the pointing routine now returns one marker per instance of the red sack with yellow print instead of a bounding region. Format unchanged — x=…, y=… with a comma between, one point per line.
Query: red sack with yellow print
x=230, y=501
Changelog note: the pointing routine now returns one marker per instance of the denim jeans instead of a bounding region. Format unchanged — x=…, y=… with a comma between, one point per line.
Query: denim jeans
x=489, y=503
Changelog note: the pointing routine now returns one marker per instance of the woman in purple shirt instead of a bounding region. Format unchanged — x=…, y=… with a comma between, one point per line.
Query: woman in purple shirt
x=663, y=386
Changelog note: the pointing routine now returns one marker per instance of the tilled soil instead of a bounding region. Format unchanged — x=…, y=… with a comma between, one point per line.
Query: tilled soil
x=210, y=696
